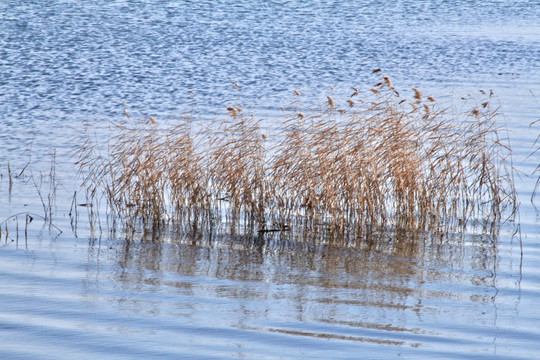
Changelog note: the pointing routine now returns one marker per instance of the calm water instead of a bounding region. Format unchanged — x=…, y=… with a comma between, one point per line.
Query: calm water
x=83, y=294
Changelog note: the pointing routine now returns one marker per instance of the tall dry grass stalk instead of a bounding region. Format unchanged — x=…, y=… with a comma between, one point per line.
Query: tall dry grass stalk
x=348, y=170
x=536, y=149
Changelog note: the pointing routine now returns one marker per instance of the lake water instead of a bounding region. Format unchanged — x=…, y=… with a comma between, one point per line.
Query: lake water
x=67, y=291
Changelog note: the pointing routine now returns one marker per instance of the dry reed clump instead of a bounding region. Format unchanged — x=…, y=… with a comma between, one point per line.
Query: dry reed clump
x=382, y=163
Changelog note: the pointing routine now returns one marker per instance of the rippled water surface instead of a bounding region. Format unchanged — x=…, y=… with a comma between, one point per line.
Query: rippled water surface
x=69, y=291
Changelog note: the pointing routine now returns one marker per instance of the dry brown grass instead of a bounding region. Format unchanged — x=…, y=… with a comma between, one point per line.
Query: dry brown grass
x=382, y=163
x=536, y=172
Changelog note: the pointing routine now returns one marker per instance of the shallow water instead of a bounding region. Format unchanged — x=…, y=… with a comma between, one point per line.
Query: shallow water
x=85, y=293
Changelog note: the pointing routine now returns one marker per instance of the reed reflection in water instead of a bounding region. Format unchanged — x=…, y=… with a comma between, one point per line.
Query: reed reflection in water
x=391, y=289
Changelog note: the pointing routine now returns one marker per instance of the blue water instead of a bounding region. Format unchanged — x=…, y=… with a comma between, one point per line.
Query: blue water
x=70, y=291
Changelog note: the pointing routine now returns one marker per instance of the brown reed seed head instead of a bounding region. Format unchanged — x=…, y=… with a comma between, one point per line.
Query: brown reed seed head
x=417, y=94
x=388, y=82
x=331, y=103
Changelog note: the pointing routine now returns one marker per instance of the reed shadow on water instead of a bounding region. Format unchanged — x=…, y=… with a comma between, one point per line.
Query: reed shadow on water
x=373, y=162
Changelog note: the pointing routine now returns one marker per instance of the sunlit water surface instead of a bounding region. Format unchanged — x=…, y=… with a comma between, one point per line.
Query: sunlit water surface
x=85, y=294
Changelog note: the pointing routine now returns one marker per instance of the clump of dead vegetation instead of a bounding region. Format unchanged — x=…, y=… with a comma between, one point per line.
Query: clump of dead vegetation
x=370, y=162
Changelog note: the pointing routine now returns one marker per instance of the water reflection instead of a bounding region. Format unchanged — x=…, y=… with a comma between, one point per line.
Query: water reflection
x=383, y=289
